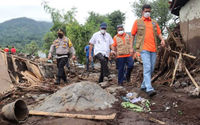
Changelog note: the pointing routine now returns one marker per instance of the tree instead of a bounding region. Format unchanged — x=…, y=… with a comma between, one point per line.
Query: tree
x=32, y=48
x=160, y=11
x=77, y=33
x=116, y=18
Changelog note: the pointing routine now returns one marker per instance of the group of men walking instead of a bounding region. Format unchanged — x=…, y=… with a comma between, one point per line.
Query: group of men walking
x=102, y=46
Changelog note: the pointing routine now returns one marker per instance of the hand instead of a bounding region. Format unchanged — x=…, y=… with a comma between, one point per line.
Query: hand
x=49, y=56
x=131, y=52
x=162, y=43
x=73, y=57
x=112, y=53
x=90, y=58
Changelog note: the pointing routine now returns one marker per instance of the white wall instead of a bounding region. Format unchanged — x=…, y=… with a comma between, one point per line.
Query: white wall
x=190, y=11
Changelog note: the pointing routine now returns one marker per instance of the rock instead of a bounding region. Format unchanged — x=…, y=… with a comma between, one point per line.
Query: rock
x=184, y=84
x=78, y=96
x=113, y=89
x=104, y=84
x=177, y=84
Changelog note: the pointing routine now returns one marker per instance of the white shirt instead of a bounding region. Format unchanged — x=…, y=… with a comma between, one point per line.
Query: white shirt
x=101, y=43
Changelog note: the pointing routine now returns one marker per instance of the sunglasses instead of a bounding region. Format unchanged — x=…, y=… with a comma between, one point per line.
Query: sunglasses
x=147, y=11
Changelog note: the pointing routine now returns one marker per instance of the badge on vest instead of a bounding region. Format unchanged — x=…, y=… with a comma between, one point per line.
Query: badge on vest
x=154, y=23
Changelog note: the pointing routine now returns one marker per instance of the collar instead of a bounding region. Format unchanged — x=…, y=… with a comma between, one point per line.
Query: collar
x=146, y=19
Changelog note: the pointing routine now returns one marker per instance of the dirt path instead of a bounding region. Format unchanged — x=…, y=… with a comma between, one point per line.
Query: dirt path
x=5, y=82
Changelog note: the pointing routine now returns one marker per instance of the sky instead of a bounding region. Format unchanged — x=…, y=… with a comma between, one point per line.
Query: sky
x=10, y=9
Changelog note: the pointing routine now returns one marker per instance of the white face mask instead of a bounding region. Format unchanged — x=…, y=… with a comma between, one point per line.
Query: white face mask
x=147, y=14
x=120, y=32
x=103, y=31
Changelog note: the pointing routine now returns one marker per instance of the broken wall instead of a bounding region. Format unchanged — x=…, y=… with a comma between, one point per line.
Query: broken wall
x=190, y=25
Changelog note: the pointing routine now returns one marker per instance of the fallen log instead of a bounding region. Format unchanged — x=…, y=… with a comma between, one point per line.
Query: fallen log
x=82, y=116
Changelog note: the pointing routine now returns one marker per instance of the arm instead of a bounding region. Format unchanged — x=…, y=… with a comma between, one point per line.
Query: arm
x=90, y=51
x=71, y=49
x=160, y=36
x=162, y=40
x=131, y=45
x=51, y=51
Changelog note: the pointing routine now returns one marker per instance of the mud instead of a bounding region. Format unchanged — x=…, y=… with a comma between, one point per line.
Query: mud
x=171, y=105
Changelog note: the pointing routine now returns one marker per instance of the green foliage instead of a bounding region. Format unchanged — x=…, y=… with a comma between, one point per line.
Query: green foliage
x=160, y=11
x=32, y=48
x=21, y=31
x=77, y=33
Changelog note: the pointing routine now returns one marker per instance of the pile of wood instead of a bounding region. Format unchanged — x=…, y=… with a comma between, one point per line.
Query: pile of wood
x=174, y=61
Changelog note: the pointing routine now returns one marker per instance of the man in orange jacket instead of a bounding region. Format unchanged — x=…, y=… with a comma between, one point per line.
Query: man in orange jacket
x=147, y=31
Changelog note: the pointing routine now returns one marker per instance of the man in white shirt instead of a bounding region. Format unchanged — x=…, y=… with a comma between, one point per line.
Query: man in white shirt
x=102, y=42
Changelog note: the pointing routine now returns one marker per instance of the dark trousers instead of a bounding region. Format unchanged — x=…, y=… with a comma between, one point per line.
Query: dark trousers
x=125, y=66
x=104, y=66
x=88, y=63
x=61, y=62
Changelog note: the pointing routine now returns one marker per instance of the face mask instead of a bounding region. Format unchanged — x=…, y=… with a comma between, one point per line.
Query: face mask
x=103, y=31
x=60, y=35
x=147, y=14
x=120, y=32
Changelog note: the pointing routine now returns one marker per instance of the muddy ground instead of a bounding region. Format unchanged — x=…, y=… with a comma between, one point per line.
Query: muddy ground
x=170, y=105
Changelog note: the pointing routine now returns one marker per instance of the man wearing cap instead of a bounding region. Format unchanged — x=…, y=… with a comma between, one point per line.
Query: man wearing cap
x=102, y=42
x=63, y=47
x=123, y=48
x=147, y=31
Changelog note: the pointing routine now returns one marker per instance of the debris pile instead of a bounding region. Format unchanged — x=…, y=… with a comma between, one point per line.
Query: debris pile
x=174, y=63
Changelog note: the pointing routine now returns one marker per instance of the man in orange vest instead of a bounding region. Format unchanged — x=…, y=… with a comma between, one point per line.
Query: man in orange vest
x=147, y=31
x=123, y=48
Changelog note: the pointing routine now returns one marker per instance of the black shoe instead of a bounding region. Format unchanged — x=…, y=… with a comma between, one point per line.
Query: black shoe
x=143, y=89
x=57, y=82
x=109, y=78
x=151, y=93
x=65, y=81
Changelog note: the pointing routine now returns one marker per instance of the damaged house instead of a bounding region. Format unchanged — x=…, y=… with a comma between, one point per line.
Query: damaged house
x=189, y=15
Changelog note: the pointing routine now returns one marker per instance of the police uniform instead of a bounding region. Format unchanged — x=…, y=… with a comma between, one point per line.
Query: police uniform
x=63, y=48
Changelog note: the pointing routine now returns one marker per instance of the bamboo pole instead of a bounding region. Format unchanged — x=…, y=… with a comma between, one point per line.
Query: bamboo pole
x=176, y=66
x=82, y=116
x=193, y=81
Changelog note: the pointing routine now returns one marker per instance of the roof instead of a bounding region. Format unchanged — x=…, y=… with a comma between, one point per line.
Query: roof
x=176, y=6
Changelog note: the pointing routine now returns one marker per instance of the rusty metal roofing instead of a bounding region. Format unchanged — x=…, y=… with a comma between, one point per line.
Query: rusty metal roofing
x=176, y=6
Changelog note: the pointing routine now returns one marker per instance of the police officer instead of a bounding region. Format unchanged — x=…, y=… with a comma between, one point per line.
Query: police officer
x=63, y=47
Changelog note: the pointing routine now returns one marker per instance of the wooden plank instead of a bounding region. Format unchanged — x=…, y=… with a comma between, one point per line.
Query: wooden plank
x=34, y=68
x=176, y=66
x=14, y=64
x=184, y=54
x=176, y=40
x=82, y=116
x=5, y=81
x=193, y=81
x=157, y=121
